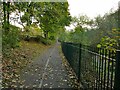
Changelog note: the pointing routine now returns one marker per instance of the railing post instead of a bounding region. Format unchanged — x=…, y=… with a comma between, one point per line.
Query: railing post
x=117, y=71
x=79, y=70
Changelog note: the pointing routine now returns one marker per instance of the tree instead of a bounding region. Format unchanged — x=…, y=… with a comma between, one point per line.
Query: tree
x=10, y=34
x=79, y=34
x=107, y=26
x=55, y=15
x=27, y=8
x=50, y=15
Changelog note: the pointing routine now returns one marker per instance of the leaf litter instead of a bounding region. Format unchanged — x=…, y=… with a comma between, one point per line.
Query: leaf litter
x=14, y=61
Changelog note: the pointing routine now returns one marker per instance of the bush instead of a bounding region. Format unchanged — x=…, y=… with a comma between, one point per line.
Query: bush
x=52, y=38
x=27, y=38
x=11, y=39
x=37, y=38
x=43, y=40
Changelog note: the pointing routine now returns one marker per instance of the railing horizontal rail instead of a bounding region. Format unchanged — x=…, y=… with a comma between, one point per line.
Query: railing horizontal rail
x=93, y=52
x=98, y=54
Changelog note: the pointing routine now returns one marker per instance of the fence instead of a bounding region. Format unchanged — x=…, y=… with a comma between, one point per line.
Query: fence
x=95, y=68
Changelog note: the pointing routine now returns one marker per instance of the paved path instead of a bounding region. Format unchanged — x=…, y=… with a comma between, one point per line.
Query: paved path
x=47, y=71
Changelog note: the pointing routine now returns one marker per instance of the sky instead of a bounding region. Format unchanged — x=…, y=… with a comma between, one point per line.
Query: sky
x=91, y=8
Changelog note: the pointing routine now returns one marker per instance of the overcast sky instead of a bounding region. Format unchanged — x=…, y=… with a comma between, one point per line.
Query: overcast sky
x=91, y=8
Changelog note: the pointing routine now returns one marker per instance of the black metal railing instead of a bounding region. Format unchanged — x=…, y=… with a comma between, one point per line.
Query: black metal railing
x=96, y=68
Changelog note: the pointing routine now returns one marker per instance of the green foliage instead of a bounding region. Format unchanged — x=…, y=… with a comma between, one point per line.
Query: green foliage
x=33, y=33
x=86, y=38
x=24, y=18
x=108, y=43
x=65, y=36
x=55, y=15
x=52, y=38
x=37, y=38
x=50, y=15
x=100, y=32
x=43, y=40
x=32, y=30
x=11, y=39
x=108, y=26
x=81, y=33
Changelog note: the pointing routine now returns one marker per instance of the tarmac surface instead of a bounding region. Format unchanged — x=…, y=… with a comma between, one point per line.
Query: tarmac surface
x=47, y=71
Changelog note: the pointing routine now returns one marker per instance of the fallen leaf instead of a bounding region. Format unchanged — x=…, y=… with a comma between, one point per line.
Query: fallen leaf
x=36, y=69
x=13, y=81
x=36, y=80
x=21, y=86
x=34, y=85
x=71, y=77
x=26, y=86
x=45, y=85
x=50, y=87
x=58, y=86
x=65, y=80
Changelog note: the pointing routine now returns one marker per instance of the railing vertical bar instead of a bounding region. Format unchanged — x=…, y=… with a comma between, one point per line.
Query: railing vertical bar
x=95, y=70
x=112, y=71
x=105, y=70
x=93, y=64
x=85, y=59
x=108, y=73
x=94, y=67
x=99, y=69
x=79, y=70
x=97, y=57
x=102, y=70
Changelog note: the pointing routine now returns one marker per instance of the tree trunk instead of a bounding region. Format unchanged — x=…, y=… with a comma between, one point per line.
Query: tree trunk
x=4, y=9
x=29, y=16
x=8, y=12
